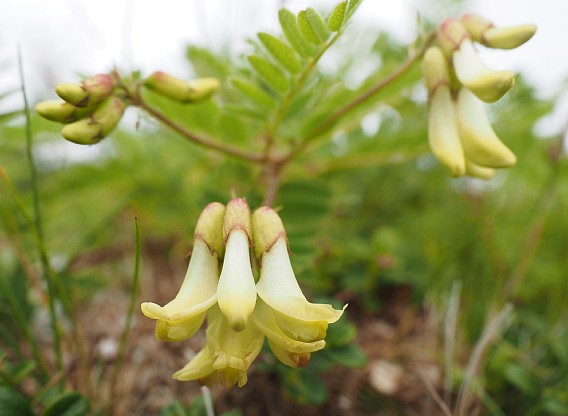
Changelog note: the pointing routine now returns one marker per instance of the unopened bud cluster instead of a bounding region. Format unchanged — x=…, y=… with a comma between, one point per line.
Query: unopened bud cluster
x=91, y=109
x=241, y=311
x=459, y=83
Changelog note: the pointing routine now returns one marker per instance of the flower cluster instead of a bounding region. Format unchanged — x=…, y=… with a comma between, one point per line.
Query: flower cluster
x=94, y=107
x=89, y=109
x=459, y=83
x=240, y=311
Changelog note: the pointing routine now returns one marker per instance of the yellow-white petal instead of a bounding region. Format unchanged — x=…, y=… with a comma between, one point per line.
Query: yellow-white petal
x=508, y=37
x=199, y=368
x=481, y=172
x=480, y=143
x=236, y=293
x=443, y=135
x=182, y=317
x=278, y=287
x=232, y=352
x=486, y=84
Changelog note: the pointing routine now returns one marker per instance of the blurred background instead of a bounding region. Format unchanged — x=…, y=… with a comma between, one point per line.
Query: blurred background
x=450, y=282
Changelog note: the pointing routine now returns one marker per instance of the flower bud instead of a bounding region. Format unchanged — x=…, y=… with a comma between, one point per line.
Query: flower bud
x=483, y=31
x=475, y=26
x=486, y=84
x=267, y=228
x=451, y=34
x=209, y=226
x=61, y=111
x=179, y=90
x=480, y=143
x=94, y=128
x=89, y=92
x=507, y=37
x=435, y=69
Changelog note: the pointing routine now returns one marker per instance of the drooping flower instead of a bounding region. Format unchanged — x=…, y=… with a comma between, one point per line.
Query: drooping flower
x=481, y=145
x=443, y=135
x=487, y=84
x=228, y=353
x=184, y=315
x=485, y=32
x=294, y=322
x=236, y=292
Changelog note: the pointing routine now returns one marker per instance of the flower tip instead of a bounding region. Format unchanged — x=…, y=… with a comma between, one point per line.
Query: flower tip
x=152, y=310
x=491, y=86
x=508, y=37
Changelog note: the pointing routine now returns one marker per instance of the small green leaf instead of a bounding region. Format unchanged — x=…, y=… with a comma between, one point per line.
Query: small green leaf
x=305, y=386
x=349, y=355
x=68, y=404
x=290, y=28
x=340, y=333
x=269, y=73
x=353, y=6
x=253, y=92
x=283, y=53
x=14, y=403
x=312, y=26
x=337, y=17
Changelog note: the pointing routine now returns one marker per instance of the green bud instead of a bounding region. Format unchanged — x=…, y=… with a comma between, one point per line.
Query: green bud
x=179, y=90
x=451, y=34
x=96, y=127
x=89, y=92
x=61, y=111
x=475, y=26
x=209, y=226
x=237, y=217
x=435, y=69
x=267, y=228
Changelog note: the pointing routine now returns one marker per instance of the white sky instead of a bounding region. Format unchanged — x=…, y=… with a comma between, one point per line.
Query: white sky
x=61, y=38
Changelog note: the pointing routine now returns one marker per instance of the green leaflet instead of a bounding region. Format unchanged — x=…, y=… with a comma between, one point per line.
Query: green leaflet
x=252, y=92
x=312, y=26
x=353, y=5
x=293, y=35
x=337, y=17
x=269, y=73
x=280, y=50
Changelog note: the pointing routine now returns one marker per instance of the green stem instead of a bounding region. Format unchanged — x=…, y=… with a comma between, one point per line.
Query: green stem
x=329, y=121
x=138, y=101
x=128, y=323
x=38, y=222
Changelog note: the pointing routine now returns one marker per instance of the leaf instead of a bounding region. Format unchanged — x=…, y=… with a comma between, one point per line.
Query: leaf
x=312, y=26
x=305, y=386
x=337, y=17
x=353, y=6
x=283, y=53
x=349, y=355
x=269, y=73
x=340, y=333
x=290, y=28
x=68, y=404
x=14, y=403
x=252, y=92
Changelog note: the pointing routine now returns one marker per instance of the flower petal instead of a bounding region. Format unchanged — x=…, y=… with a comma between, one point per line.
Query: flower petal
x=236, y=292
x=443, y=135
x=278, y=287
x=182, y=317
x=486, y=84
x=481, y=172
x=232, y=352
x=481, y=144
x=199, y=368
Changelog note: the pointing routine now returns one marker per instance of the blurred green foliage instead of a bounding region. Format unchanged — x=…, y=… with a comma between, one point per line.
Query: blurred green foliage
x=367, y=206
